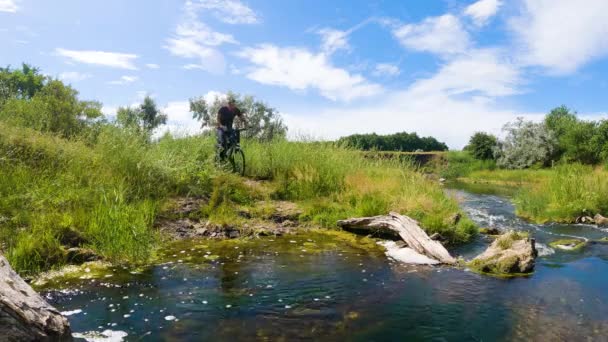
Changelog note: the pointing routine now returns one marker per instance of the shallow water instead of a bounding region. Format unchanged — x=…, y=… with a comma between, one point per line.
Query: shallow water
x=316, y=287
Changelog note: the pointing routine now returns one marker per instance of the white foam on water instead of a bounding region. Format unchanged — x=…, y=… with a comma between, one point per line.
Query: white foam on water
x=71, y=312
x=406, y=254
x=544, y=250
x=105, y=336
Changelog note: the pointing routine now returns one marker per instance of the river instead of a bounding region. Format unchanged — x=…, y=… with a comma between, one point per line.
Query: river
x=313, y=287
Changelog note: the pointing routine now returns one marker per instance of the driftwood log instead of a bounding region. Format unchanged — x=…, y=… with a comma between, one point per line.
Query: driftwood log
x=24, y=315
x=403, y=227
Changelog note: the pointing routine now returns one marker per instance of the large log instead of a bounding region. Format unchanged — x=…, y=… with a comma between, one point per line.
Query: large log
x=24, y=315
x=404, y=227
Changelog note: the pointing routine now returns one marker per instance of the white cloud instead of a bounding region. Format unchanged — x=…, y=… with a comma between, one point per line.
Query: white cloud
x=386, y=69
x=482, y=10
x=9, y=6
x=194, y=39
x=103, y=58
x=152, y=66
x=482, y=71
x=562, y=35
x=228, y=11
x=179, y=117
x=442, y=35
x=333, y=40
x=73, y=76
x=299, y=69
x=448, y=119
x=125, y=80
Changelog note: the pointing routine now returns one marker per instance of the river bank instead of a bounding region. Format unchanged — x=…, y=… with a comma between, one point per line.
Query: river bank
x=282, y=287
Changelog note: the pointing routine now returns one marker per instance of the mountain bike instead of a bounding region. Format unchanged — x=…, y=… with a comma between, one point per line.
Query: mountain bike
x=233, y=154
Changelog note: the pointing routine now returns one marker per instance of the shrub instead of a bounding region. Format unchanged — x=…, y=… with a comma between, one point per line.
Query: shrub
x=527, y=144
x=482, y=146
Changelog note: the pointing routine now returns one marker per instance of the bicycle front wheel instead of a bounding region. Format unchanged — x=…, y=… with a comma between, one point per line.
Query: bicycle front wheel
x=237, y=160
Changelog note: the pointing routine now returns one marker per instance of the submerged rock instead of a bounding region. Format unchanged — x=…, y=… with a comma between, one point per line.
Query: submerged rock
x=24, y=315
x=490, y=231
x=568, y=244
x=511, y=253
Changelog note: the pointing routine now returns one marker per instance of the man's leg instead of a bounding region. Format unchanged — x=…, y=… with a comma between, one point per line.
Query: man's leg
x=221, y=143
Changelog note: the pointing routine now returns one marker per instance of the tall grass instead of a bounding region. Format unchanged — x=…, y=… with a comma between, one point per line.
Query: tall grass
x=107, y=192
x=564, y=193
x=335, y=183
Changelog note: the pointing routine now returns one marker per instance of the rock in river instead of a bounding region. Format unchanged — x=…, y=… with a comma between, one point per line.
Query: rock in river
x=24, y=315
x=511, y=253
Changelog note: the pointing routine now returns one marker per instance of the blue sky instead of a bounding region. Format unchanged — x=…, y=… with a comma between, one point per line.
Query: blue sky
x=438, y=67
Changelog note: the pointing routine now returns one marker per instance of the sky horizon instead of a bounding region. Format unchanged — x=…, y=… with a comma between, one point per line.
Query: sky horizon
x=441, y=68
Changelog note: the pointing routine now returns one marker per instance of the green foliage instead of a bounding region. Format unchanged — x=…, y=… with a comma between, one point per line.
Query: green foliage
x=144, y=118
x=565, y=193
x=461, y=164
x=407, y=142
x=21, y=83
x=264, y=122
x=53, y=108
x=482, y=146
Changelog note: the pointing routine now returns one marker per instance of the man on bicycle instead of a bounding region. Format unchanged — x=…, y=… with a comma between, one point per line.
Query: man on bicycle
x=225, y=118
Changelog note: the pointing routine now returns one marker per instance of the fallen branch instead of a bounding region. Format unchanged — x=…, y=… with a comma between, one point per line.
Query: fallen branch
x=403, y=227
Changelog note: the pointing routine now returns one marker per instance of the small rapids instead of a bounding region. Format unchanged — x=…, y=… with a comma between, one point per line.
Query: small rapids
x=319, y=287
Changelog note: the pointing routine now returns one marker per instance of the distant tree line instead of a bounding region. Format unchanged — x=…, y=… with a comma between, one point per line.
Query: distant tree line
x=561, y=137
x=405, y=142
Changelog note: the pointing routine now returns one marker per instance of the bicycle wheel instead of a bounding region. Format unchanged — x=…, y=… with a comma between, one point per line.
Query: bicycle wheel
x=237, y=160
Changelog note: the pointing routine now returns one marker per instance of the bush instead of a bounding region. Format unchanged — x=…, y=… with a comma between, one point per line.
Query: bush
x=527, y=144
x=482, y=146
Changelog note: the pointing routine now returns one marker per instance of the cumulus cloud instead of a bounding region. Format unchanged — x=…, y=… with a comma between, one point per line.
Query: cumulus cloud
x=102, y=58
x=300, y=69
x=482, y=10
x=443, y=35
x=227, y=11
x=179, y=117
x=385, y=69
x=73, y=76
x=9, y=6
x=561, y=35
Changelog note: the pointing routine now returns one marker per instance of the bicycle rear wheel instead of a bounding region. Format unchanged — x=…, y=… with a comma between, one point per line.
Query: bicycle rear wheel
x=237, y=160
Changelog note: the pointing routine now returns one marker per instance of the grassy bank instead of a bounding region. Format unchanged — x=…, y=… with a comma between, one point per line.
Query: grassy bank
x=564, y=193
x=104, y=194
x=557, y=194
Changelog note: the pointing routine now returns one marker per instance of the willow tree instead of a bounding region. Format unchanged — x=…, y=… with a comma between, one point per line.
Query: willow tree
x=264, y=122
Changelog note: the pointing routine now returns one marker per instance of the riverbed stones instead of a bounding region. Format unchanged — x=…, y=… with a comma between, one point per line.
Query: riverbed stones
x=511, y=253
x=24, y=315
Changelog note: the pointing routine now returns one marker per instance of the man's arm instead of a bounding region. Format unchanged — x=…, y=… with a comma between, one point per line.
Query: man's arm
x=242, y=117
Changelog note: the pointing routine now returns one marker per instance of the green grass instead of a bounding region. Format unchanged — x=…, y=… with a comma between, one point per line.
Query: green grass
x=109, y=190
x=564, y=193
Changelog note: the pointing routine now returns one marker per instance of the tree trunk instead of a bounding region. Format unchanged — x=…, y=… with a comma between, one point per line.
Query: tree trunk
x=404, y=227
x=24, y=315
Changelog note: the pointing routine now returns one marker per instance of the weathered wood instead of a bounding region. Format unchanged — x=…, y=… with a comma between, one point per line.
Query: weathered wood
x=404, y=227
x=24, y=315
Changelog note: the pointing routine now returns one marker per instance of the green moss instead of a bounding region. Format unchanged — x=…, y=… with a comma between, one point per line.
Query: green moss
x=568, y=244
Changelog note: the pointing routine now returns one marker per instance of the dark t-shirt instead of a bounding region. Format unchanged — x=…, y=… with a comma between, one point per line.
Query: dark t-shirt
x=226, y=116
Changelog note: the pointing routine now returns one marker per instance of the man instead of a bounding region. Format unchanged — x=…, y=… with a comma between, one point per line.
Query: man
x=225, y=118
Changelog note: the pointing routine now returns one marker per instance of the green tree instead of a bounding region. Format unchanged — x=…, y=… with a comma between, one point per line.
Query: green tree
x=482, y=146
x=21, y=83
x=144, y=118
x=54, y=108
x=264, y=122
x=403, y=141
